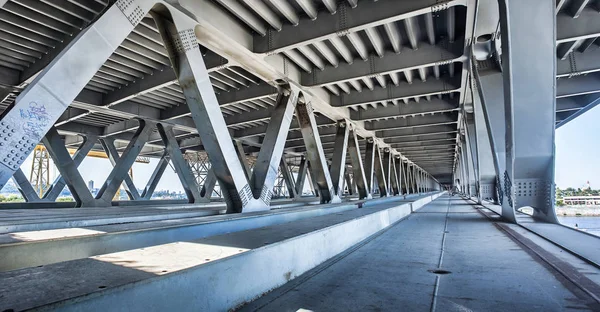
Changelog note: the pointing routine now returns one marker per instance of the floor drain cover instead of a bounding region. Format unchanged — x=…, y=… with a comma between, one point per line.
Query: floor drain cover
x=439, y=271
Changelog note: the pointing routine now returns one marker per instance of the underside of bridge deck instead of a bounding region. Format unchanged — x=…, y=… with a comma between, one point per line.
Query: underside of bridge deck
x=262, y=105
x=408, y=96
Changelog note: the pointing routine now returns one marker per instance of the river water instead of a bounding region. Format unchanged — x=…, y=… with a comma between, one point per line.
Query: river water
x=587, y=224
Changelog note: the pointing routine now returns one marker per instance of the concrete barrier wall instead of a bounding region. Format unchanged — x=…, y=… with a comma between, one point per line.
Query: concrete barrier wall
x=229, y=282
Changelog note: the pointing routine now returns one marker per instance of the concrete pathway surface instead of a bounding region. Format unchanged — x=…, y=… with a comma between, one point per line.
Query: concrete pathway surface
x=403, y=269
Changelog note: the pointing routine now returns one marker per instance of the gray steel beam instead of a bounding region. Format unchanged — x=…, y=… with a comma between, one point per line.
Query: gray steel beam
x=578, y=85
x=338, y=162
x=122, y=165
x=271, y=152
x=108, y=145
x=239, y=149
x=186, y=177
x=302, y=170
x=25, y=187
x=530, y=116
x=426, y=56
x=209, y=184
x=160, y=78
x=421, y=138
x=578, y=64
x=398, y=169
x=587, y=102
x=38, y=107
x=420, y=131
x=261, y=130
x=327, y=26
x=59, y=183
x=380, y=173
x=490, y=102
x=205, y=111
x=403, y=90
x=412, y=109
x=68, y=170
x=583, y=27
x=314, y=152
x=288, y=178
x=370, y=164
x=162, y=165
x=411, y=122
x=471, y=134
x=225, y=99
x=359, y=177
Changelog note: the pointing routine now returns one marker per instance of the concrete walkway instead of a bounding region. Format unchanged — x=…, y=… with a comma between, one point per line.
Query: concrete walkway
x=394, y=271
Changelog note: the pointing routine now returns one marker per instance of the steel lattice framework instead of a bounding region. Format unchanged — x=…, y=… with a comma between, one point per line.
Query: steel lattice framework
x=389, y=97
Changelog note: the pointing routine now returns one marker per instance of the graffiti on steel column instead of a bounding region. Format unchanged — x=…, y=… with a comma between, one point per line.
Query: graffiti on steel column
x=35, y=118
x=20, y=132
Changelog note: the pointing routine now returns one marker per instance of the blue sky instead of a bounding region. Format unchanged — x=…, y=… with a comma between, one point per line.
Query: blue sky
x=577, y=151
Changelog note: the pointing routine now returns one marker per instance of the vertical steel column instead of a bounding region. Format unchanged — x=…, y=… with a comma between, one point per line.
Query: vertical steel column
x=471, y=131
x=405, y=177
x=470, y=164
x=338, y=163
x=313, y=182
x=163, y=162
x=394, y=174
x=43, y=101
x=399, y=172
x=379, y=172
x=413, y=182
x=370, y=165
x=68, y=170
x=465, y=162
x=491, y=101
x=348, y=182
x=186, y=177
x=314, y=152
x=287, y=177
x=59, y=183
x=186, y=58
x=359, y=177
x=529, y=65
x=108, y=144
x=301, y=176
x=271, y=152
x=121, y=168
x=387, y=169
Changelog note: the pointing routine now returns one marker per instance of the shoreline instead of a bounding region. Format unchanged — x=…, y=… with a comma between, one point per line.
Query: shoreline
x=580, y=211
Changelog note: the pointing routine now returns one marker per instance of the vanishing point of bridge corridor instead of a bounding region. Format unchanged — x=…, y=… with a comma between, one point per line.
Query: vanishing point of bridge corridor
x=334, y=155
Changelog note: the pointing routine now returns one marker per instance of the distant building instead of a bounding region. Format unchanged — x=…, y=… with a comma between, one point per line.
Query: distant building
x=91, y=185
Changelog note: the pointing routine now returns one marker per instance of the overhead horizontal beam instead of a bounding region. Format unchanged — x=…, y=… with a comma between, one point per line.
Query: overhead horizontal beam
x=346, y=20
x=160, y=78
x=570, y=104
x=436, y=105
x=578, y=64
x=403, y=90
x=578, y=85
x=420, y=138
x=420, y=131
x=424, y=143
x=586, y=25
x=409, y=122
x=225, y=99
x=587, y=101
x=426, y=56
x=260, y=130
